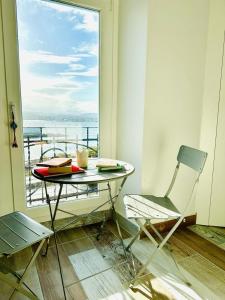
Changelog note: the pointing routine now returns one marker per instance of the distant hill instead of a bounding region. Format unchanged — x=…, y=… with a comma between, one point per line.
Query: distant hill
x=92, y=117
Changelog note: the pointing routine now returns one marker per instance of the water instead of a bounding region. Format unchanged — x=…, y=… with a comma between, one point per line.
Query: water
x=47, y=123
x=72, y=130
x=56, y=133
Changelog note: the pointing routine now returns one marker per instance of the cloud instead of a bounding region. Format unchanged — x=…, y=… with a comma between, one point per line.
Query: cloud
x=89, y=22
x=86, y=106
x=61, y=8
x=28, y=58
x=91, y=72
x=23, y=32
x=76, y=67
x=59, y=103
x=31, y=83
x=34, y=57
x=51, y=93
x=82, y=18
x=87, y=49
x=54, y=94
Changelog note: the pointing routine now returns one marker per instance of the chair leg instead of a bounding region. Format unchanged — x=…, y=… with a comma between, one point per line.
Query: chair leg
x=158, y=246
x=22, y=290
x=28, y=267
x=155, y=230
x=45, y=252
x=134, y=239
x=147, y=233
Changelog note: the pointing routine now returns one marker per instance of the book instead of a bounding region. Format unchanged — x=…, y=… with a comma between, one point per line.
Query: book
x=116, y=168
x=104, y=163
x=64, y=169
x=44, y=171
x=56, y=162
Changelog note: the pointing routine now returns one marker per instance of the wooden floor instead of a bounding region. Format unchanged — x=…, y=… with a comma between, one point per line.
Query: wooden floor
x=213, y=234
x=96, y=269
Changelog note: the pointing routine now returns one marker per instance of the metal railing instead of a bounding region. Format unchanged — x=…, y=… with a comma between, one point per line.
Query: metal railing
x=41, y=143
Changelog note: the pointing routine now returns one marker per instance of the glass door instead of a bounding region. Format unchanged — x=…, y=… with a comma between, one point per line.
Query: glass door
x=53, y=57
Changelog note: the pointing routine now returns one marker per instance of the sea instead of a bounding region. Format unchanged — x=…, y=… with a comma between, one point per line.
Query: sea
x=47, y=123
x=55, y=132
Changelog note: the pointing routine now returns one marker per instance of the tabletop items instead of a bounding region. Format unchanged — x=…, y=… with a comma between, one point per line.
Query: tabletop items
x=57, y=167
x=56, y=162
x=82, y=158
x=105, y=165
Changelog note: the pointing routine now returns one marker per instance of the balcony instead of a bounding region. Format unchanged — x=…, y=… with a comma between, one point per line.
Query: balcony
x=42, y=143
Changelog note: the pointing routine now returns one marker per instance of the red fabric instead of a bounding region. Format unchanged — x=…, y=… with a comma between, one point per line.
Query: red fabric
x=43, y=171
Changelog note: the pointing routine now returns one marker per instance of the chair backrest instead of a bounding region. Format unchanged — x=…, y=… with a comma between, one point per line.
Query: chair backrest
x=192, y=158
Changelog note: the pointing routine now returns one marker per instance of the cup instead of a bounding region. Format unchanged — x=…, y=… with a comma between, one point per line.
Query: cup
x=82, y=158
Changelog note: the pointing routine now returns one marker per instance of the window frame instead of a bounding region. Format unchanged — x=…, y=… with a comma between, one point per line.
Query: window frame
x=107, y=99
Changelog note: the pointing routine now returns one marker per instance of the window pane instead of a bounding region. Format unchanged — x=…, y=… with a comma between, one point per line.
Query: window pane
x=59, y=63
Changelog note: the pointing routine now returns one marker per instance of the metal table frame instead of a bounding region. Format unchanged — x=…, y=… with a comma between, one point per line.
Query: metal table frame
x=91, y=176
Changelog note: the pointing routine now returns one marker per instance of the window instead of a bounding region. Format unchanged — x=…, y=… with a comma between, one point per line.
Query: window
x=59, y=74
x=35, y=64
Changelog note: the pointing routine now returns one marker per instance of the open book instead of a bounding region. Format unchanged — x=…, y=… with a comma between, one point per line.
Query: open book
x=56, y=162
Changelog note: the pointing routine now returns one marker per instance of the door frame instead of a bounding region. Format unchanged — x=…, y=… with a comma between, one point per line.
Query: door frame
x=6, y=203
x=107, y=107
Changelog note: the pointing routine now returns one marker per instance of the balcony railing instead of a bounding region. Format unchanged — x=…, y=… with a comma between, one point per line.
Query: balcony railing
x=42, y=143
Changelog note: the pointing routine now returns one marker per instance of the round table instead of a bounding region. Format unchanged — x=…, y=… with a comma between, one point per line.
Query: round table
x=91, y=176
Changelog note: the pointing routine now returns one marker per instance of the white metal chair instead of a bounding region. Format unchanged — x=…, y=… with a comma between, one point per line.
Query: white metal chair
x=149, y=207
x=17, y=232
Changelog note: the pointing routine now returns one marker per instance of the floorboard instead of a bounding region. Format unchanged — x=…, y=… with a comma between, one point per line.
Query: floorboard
x=202, y=246
x=213, y=234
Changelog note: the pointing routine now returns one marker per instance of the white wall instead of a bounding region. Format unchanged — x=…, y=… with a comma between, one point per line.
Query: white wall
x=177, y=48
x=210, y=197
x=132, y=57
x=173, y=88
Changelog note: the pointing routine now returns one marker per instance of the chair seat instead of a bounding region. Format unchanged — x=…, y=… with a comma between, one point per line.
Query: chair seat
x=150, y=207
x=17, y=231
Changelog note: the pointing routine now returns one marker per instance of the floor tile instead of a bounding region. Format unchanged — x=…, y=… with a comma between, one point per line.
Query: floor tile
x=101, y=285
x=71, y=235
x=49, y=273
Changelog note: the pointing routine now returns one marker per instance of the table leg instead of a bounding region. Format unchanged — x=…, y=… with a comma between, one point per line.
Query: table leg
x=101, y=229
x=113, y=200
x=115, y=218
x=53, y=215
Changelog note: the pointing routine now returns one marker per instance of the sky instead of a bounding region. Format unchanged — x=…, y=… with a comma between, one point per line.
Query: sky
x=59, y=57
